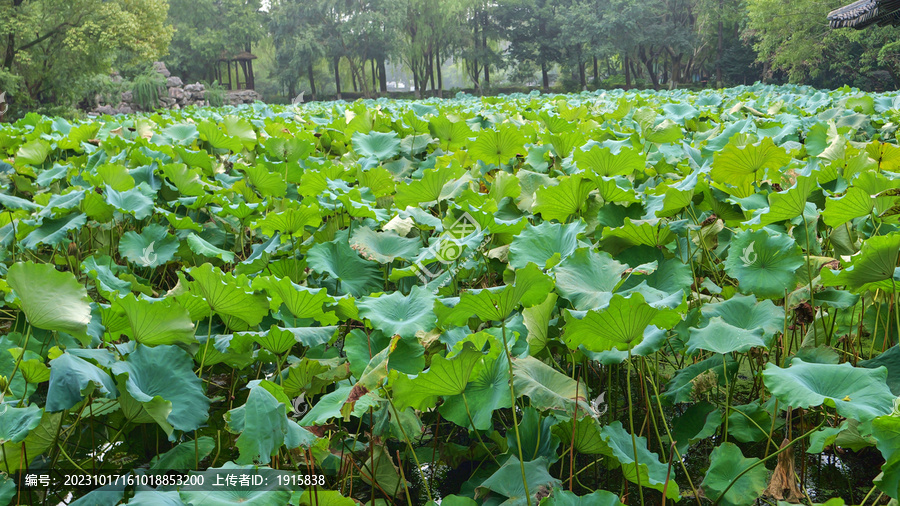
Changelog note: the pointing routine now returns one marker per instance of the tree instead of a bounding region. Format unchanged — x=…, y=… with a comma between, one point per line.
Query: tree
x=207, y=29
x=795, y=39
x=297, y=33
x=54, y=47
x=534, y=31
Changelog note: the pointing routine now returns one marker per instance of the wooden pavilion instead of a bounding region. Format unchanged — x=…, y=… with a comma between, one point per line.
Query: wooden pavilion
x=864, y=13
x=242, y=65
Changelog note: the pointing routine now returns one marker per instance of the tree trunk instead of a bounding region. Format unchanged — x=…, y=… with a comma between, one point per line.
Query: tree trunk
x=596, y=73
x=353, y=78
x=627, y=66
x=440, y=78
x=337, y=76
x=312, y=81
x=648, y=63
x=582, y=79
x=416, y=82
x=382, y=75
x=719, y=50
x=545, y=78
x=374, y=75
x=431, y=71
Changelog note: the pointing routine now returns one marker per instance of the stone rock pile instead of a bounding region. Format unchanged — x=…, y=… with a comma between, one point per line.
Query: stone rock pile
x=175, y=95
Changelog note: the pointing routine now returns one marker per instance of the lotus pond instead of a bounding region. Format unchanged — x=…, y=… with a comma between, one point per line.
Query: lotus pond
x=600, y=299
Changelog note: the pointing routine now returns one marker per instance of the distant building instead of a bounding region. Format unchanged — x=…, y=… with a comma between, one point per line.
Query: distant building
x=242, y=63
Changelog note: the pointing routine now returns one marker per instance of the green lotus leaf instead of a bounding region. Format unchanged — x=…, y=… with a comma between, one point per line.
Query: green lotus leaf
x=234, y=350
x=853, y=204
x=184, y=134
x=507, y=481
x=292, y=221
x=436, y=185
x=649, y=470
x=618, y=326
x=445, y=377
x=488, y=388
x=546, y=387
x=588, y=278
x=886, y=430
x=50, y=176
x=699, y=421
x=103, y=271
x=561, y=497
x=185, y=455
x=378, y=145
x=203, y=248
x=764, y=264
x=745, y=422
x=155, y=323
x=396, y=314
x=383, y=247
x=16, y=423
x=153, y=247
x=266, y=182
x=872, y=268
x=329, y=406
x=494, y=304
x=537, y=436
x=889, y=359
x=857, y=393
x=726, y=464
x=39, y=440
x=617, y=190
x=740, y=166
x=187, y=180
x=73, y=378
x=264, y=428
x=336, y=258
x=686, y=385
x=210, y=132
x=380, y=469
x=163, y=380
x=136, y=201
x=601, y=162
x=241, y=129
x=54, y=231
x=61, y=204
x=451, y=134
x=545, y=244
x=13, y=202
x=289, y=150
x=497, y=147
x=788, y=204
x=720, y=337
x=276, y=340
x=228, y=297
x=33, y=152
x=537, y=320
x=267, y=494
x=563, y=200
x=311, y=497
x=51, y=300
x=745, y=312
x=301, y=301
x=150, y=497
x=654, y=232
